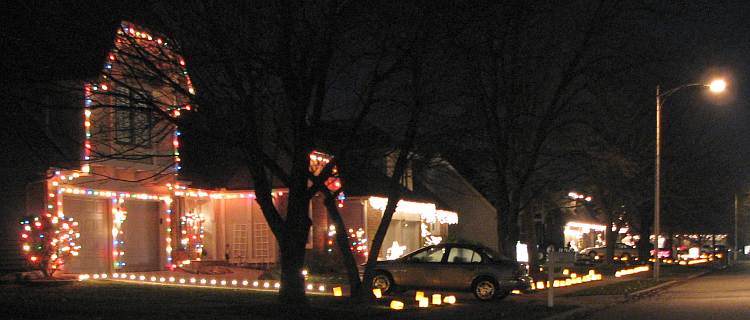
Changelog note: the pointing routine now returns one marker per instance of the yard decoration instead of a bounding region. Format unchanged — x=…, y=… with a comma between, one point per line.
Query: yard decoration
x=397, y=305
x=419, y=295
x=424, y=302
x=437, y=299
x=48, y=241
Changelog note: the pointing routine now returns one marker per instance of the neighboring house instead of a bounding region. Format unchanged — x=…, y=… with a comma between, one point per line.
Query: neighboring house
x=478, y=215
x=137, y=213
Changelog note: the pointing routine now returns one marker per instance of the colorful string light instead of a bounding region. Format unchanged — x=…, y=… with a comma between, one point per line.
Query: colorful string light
x=48, y=240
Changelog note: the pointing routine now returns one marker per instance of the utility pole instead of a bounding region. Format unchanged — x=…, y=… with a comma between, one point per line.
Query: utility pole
x=657, y=186
x=736, y=244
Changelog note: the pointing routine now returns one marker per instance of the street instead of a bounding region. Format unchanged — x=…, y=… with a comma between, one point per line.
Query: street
x=720, y=295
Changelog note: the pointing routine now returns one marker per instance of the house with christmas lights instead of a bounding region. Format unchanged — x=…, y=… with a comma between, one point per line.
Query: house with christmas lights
x=137, y=213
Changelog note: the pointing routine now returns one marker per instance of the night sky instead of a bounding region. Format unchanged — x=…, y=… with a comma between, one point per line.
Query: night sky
x=62, y=40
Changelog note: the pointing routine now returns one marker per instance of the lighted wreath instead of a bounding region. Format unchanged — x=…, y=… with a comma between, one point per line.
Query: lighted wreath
x=48, y=241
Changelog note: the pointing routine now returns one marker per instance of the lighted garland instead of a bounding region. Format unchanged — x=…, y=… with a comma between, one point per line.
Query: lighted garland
x=48, y=241
x=318, y=161
x=119, y=214
x=192, y=234
x=357, y=241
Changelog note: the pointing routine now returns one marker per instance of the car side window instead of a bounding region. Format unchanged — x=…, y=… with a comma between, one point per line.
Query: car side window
x=429, y=255
x=464, y=255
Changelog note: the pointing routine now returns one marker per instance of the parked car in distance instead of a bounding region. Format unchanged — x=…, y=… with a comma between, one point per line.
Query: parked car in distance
x=453, y=267
x=621, y=251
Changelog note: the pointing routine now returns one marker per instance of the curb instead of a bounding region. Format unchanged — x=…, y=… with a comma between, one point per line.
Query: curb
x=649, y=290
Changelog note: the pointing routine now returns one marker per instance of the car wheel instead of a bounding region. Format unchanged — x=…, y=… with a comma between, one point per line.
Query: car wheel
x=383, y=281
x=502, y=294
x=485, y=289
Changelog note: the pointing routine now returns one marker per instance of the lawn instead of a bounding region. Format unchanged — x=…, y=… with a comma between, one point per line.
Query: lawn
x=113, y=300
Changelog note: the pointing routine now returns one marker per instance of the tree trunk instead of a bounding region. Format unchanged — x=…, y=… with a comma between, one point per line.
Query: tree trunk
x=394, y=195
x=292, y=246
x=644, y=242
x=611, y=236
x=530, y=239
x=342, y=241
x=507, y=228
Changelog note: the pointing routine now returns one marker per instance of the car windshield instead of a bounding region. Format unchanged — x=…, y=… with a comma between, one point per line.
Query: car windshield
x=493, y=255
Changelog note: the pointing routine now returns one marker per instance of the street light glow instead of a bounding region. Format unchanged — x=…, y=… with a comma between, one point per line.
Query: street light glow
x=718, y=86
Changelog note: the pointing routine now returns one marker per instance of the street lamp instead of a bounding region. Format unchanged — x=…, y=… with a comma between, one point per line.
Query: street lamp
x=716, y=86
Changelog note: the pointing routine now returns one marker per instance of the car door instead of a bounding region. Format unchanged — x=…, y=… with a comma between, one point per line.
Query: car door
x=419, y=268
x=458, y=270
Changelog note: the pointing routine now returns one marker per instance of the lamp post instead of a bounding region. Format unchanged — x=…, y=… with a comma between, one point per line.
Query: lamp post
x=716, y=86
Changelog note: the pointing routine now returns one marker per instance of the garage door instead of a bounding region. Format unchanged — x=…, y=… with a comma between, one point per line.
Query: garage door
x=141, y=236
x=92, y=220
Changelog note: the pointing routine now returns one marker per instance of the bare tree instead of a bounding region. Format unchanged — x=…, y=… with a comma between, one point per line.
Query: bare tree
x=529, y=66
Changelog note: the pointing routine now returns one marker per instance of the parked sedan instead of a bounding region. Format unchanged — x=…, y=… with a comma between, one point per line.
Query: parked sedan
x=621, y=251
x=453, y=267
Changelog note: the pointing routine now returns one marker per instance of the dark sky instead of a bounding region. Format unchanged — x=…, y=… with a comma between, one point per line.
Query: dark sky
x=44, y=40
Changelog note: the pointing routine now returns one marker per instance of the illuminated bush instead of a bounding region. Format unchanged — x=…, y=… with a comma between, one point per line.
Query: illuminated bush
x=47, y=241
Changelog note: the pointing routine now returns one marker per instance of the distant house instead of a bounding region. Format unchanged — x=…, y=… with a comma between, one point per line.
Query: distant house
x=137, y=213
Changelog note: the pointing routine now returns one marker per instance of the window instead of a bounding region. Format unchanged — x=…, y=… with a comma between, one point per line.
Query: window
x=434, y=254
x=261, y=241
x=132, y=119
x=239, y=243
x=464, y=255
